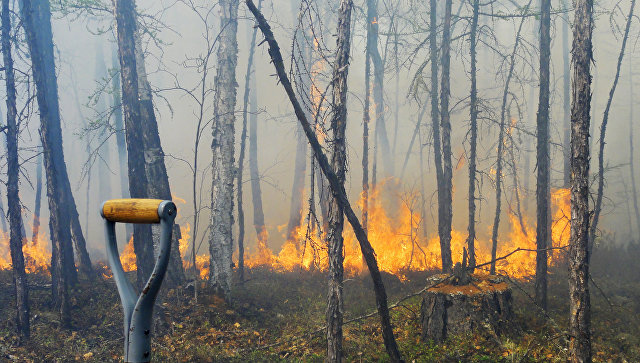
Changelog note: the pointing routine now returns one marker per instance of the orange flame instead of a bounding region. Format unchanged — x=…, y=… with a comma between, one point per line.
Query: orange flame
x=400, y=248
x=37, y=256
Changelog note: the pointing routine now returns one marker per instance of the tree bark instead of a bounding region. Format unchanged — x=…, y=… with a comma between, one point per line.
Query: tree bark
x=220, y=238
x=473, y=137
x=337, y=188
x=243, y=138
x=36, y=20
x=378, y=85
x=603, y=129
x=155, y=169
x=543, y=192
x=444, y=224
x=13, y=174
x=580, y=304
x=138, y=184
x=366, y=118
x=335, y=302
x=566, y=97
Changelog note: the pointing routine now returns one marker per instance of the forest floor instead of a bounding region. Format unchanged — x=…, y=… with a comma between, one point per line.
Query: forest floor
x=279, y=317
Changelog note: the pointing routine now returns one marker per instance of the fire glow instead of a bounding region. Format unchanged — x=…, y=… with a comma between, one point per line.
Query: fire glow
x=37, y=256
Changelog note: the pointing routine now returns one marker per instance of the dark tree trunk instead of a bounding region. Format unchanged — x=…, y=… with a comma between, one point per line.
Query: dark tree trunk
x=366, y=118
x=566, y=98
x=473, y=137
x=335, y=302
x=378, y=85
x=243, y=139
x=603, y=129
x=223, y=168
x=543, y=193
x=337, y=188
x=138, y=185
x=435, y=125
x=155, y=169
x=445, y=209
x=13, y=174
x=38, y=202
x=580, y=304
x=36, y=20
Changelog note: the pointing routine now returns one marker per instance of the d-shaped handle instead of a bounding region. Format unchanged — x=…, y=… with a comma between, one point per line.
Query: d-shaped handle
x=138, y=310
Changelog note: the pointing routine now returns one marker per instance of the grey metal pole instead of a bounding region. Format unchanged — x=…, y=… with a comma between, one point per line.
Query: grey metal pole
x=138, y=310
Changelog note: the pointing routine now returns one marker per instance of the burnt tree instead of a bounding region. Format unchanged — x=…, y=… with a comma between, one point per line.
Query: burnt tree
x=13, y=174
x=543, y=191
x=335, y=301
x=138, y=185
x=580, y=304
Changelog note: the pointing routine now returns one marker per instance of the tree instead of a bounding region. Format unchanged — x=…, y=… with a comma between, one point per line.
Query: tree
x=378, y=85
x=335, y=309
x=580, y=304
x=138, y=185
x=337, y=188
x=603, y=130
x=154, y=167
x=566, y=97
x=543, y=192
x=13, y=171
x=223, y=168
x=36, y=20
x=445, y=205
x=243, y=136
x=473, y=137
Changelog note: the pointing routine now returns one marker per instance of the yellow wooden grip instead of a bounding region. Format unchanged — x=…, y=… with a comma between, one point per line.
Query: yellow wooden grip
x=132, y=210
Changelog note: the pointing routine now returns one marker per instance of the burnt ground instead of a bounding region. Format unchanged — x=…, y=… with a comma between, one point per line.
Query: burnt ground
x=278, y=316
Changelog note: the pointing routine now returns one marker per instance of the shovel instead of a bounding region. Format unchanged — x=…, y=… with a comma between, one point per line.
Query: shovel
x=138, y=309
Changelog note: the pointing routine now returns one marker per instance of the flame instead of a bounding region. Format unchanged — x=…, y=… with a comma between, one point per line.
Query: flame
x=128, y=257
x=37, y=256
x=393, y=234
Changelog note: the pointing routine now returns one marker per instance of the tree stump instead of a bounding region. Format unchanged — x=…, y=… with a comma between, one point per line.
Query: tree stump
x=484, y=303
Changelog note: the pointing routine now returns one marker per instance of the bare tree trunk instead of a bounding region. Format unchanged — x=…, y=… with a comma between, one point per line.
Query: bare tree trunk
x=580, y=304
x=243, y=138
x=503, y=112
x=631, y=162
x=220, y=238
x=118, y=124
x=473, y=137
x=603, y=129
x=337, y=188
x=36, y=20
x=446, y=207
x=256, y=191
x=155, y=169
x=138, y=184
x=13, y=174
x=543, y=192
x=366, y=118
x=435, y=125
x=335, y=302
x=38, y=202
x=378, y=85
x=566, y=84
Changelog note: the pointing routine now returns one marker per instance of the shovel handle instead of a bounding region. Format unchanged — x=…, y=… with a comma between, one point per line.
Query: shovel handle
x=131, y=210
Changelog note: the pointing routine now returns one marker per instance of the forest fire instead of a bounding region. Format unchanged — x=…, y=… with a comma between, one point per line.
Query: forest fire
x=400, y=246
x=37, y=257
